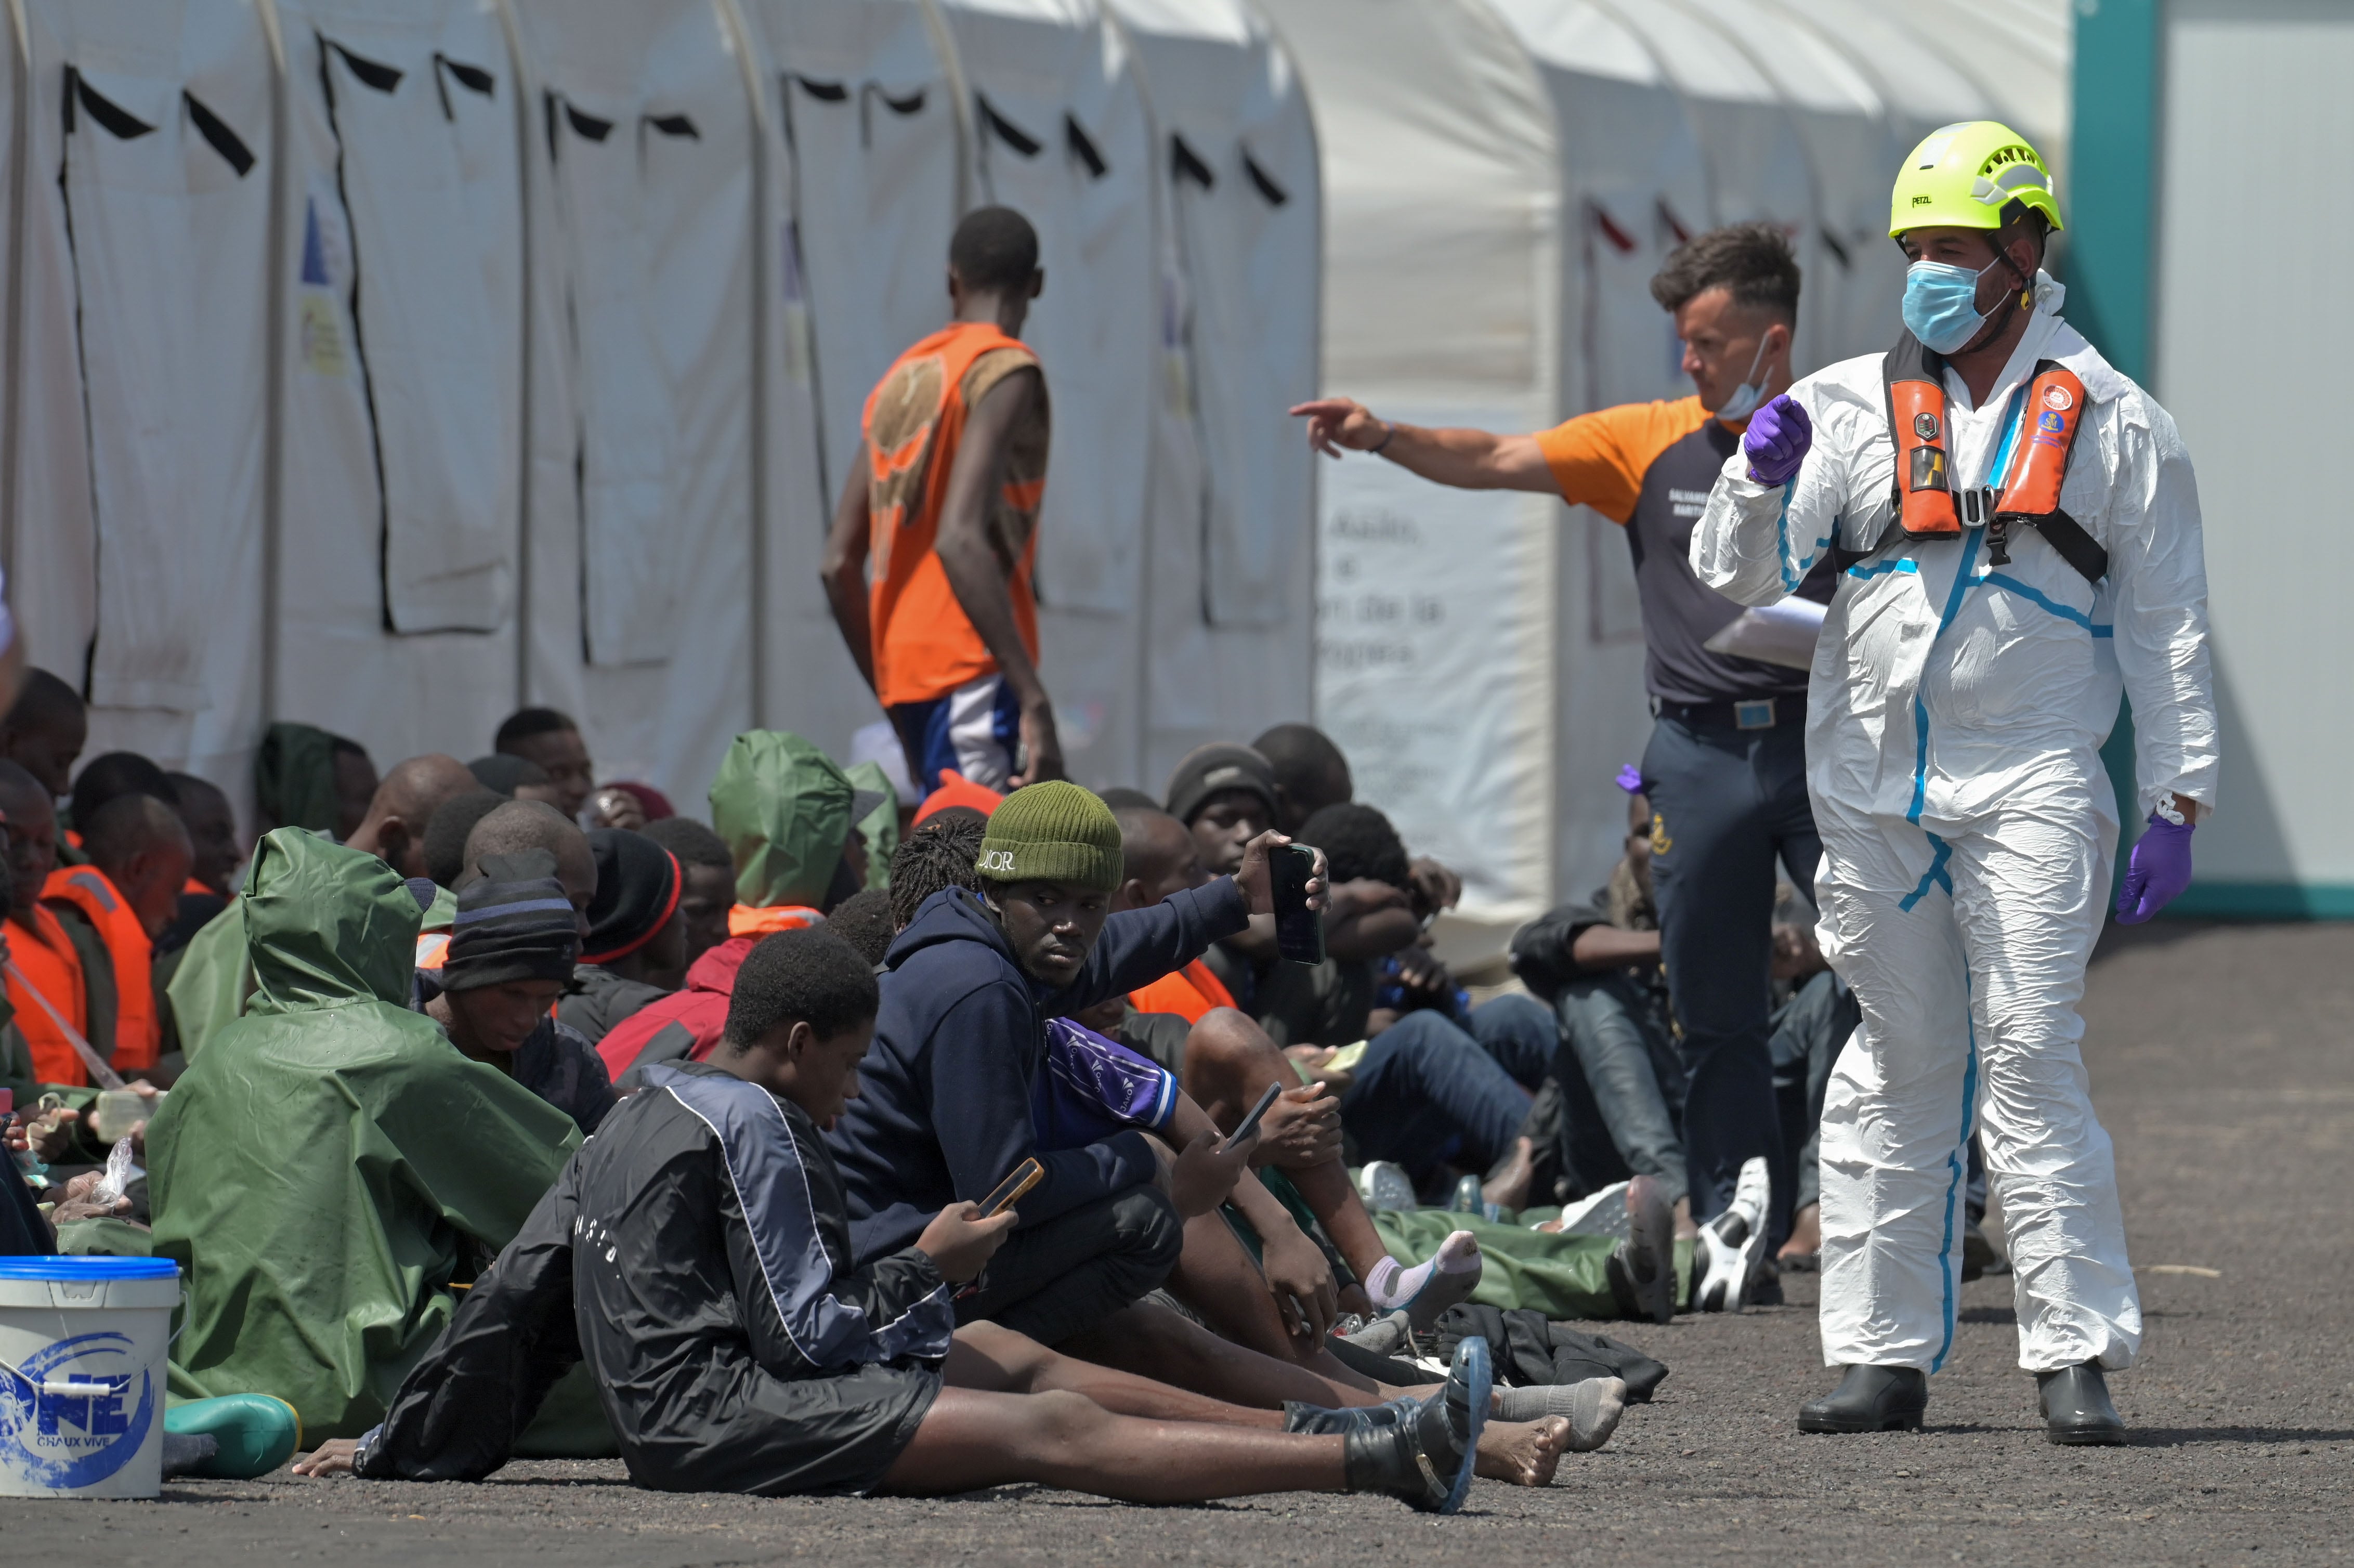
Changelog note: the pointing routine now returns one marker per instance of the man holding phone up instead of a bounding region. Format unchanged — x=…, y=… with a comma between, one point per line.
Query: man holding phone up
x=973, y=991
x=1725, y=771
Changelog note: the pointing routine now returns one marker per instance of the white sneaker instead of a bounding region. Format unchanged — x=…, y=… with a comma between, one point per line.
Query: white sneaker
x=1732, y=1245
x=1386, y=1185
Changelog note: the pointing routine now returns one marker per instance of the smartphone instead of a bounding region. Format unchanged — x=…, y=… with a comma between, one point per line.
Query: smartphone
x=1298, y=930
x=1249, y=1124
x=1026, y=1175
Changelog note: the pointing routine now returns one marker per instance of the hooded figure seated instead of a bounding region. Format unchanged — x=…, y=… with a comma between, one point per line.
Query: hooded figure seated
x=789, y=818
x=330, y=1168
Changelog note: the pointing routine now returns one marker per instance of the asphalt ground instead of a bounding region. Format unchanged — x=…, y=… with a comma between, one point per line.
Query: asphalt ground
x=2222, y=1066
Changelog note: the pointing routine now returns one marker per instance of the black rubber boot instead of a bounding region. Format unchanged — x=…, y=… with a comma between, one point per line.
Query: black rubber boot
x=1869, y=1399
x=2074, y=1403
x=1317, y=1420
x=1425, y=1459
x=1642, y=1270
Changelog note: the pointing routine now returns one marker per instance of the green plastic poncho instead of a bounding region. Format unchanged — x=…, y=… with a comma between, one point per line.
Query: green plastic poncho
x=295, y=778
x=215, y=977
x=330, y=1160
x=881, y=827
x=783, y=810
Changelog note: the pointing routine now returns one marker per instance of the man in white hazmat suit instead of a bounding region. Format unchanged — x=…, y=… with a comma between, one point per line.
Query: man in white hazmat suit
x=2016, y=530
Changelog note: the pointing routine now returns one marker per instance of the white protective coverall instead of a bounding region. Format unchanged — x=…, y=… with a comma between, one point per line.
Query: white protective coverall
x=1953, y=721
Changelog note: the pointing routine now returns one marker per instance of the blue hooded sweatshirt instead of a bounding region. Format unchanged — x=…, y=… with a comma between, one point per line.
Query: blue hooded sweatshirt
x=943, y=1113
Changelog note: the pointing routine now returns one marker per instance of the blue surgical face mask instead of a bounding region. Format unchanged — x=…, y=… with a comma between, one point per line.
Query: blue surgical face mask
x=1941, y=303
x=1745, y=397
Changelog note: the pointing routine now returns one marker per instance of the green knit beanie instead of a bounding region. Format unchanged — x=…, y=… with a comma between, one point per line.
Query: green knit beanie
x=1053, y=831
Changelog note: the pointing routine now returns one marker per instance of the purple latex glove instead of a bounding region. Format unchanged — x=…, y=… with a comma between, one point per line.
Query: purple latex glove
x=2157, y=872
x=1630, y=779
x=1777, y=440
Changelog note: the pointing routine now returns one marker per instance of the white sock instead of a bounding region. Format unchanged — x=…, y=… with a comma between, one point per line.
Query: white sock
x=1391, y=1285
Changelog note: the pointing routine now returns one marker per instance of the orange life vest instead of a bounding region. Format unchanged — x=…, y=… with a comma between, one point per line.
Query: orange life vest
x=138, y=1031
x=758, y=920
x=1926, y=504
x=924, y=645
x=45, y=957
x=1188, y=993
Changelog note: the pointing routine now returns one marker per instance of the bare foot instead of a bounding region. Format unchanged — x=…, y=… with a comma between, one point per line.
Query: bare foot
x=1685, y=1229
x=1509, y=1188
x=1806, y=1234
x=1523, y=1452
x=332, y=1458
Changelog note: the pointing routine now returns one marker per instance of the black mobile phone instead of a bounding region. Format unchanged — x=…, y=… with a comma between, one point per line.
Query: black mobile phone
x=1298, y=930
x=1026, y=1175
x=1249, y=1124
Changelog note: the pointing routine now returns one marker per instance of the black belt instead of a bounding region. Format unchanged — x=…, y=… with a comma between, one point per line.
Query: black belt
x=1750, y=712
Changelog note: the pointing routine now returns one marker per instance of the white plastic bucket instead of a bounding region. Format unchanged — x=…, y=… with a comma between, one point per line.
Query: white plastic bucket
x=101, y=1323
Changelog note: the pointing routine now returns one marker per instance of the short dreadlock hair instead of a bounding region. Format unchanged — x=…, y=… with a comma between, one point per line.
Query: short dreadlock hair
x=940, y=854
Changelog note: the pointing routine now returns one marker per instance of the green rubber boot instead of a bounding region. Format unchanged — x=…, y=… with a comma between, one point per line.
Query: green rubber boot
x=255, y=1434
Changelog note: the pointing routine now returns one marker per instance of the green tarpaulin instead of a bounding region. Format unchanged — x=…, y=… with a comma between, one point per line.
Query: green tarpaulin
x=1562, y=1276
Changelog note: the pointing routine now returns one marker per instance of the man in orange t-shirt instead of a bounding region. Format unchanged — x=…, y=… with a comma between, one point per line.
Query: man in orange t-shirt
x=1725, y=771
x=928, y=564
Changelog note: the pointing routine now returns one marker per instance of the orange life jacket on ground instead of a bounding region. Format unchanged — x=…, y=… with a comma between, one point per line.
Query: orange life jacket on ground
x=1188, y=993
x=45, y=957
x=138, y=1030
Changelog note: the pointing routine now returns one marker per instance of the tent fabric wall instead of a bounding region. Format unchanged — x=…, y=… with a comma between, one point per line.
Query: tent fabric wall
x=1236, y=161
x=424, y=170
x=147, y=213
x=1632, y=180
x=644, y=357
x=355, y=476
x=1756, y=158
x=1060, y=135
x=808, y=683
x=1851, y=156
x=871, y=120
x=1435, y=618
x=1229, y=631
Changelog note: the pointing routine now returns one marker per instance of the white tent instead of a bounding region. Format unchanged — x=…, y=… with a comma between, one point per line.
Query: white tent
x=402, y=366
x=1060, y=135
x=1757, y=157
x=138, y=488
x=1229, y=614
x=867, y=158
x=1633, y=182
x=871, y=119
x=1851, y=153
x=1436, y=625
x=2017, y=53
x=643, y=521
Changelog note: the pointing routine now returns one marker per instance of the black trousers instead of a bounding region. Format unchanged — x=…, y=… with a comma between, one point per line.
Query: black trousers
x=1726, y=805
x=1053, y=1280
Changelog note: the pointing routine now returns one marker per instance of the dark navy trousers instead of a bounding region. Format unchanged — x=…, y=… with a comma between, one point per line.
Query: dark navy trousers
x=1727, y=805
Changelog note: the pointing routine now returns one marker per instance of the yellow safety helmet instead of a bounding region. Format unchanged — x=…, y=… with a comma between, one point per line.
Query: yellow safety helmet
x=1962, y=176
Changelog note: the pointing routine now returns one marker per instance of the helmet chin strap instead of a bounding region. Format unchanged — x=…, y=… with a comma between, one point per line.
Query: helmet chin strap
x=1997, y=319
